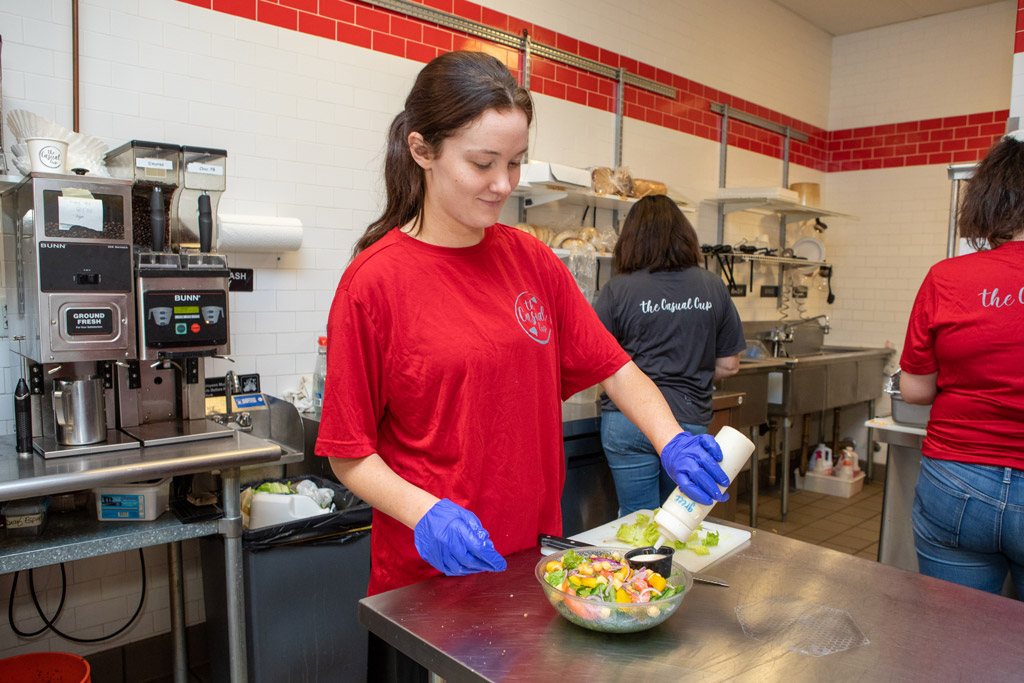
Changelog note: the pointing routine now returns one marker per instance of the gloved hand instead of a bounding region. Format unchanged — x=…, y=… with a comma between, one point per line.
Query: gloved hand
x=692, y=462
x=454, y=542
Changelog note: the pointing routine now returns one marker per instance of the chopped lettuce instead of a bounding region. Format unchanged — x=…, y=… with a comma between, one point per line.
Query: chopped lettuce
x=275, y=487
x=556, y=579
x=645, y=532
x=571, y=560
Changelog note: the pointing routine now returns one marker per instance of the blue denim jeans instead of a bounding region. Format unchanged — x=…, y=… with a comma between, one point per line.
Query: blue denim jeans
x=641, y=483
x=969, y=524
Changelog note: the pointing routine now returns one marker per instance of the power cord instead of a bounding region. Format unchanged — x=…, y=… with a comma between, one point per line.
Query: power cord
x=50, y=624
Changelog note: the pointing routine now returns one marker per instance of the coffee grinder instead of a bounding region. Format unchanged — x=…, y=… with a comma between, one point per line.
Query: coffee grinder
x=181, y=294
x=67, y=249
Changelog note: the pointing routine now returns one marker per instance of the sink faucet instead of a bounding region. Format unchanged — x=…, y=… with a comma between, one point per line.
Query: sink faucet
x=783, y=334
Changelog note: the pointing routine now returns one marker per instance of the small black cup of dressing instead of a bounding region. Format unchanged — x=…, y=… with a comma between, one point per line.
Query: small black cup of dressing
x=656, y=559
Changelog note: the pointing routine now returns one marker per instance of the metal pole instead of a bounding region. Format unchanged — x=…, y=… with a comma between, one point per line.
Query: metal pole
x=869, y=466
x=786, y=424
x=954, y=204
x=620, y=114
x=177, y=588
x=231, y=529
x=723, y=155
x=753, y=479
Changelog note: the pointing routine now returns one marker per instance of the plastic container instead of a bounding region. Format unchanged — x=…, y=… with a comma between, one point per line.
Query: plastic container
x=140, y=502
x=320, y=375
x=26, y=517
x=268, y=509
x=45, y=667
x=680, y=516
x=831, y=485
x=821, y=460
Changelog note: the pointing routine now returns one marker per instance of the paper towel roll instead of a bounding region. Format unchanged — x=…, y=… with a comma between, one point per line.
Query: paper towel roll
x=258, y=233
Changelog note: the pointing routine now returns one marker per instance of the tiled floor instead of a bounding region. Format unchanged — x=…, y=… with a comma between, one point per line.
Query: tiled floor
x=849, y=525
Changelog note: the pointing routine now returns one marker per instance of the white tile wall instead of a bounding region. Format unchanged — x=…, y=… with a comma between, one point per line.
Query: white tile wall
x=708, y=42
x=943, y=65
x=303, y=120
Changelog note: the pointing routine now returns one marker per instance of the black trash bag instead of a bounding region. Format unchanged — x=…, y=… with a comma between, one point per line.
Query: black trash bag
x=351, y=521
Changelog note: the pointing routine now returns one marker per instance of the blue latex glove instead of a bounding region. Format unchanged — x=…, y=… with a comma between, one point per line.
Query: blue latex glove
x=454, y=542
x=692, y=462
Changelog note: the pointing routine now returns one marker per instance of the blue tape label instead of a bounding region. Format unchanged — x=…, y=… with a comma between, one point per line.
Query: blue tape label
x=249, y=401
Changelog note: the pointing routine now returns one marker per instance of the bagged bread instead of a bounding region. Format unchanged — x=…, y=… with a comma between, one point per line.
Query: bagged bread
x=612, y=181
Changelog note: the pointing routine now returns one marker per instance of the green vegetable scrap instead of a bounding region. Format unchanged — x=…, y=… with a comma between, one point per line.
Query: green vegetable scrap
x=645, y=532
x=275, y=487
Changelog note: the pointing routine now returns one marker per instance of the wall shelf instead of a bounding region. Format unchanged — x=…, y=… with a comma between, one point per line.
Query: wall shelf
x=791, y=212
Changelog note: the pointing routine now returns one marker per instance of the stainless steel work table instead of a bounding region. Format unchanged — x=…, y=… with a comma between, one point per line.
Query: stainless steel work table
x=500, y=627
x=78, y=536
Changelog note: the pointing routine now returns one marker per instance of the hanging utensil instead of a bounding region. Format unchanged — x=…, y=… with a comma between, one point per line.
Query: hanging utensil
x=826, y=272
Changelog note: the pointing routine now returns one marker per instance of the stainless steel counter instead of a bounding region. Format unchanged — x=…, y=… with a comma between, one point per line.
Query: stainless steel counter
x=500, y=627
x=78, y=536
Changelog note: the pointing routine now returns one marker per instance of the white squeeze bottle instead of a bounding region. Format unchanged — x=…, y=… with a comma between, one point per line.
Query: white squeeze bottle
x=680, y=516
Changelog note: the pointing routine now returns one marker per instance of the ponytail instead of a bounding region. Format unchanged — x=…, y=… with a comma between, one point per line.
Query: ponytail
x=403, y=180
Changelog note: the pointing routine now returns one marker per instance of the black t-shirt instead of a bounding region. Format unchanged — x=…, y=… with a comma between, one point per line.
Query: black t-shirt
x=674, y=325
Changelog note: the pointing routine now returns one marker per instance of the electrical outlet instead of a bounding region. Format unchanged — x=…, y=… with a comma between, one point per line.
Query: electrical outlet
x=799, y=292
x=769, y=291
x=737, y=290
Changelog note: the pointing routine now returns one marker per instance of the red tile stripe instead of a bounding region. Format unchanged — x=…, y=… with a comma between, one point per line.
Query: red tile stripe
x=936, y=141
x=1018, y=42
x=953, y=139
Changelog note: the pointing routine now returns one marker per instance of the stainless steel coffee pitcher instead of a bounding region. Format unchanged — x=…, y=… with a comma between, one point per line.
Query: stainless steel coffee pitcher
x=79, y=409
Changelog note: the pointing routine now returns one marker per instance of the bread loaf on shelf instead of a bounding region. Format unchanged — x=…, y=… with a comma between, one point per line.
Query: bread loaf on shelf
x=642, y=188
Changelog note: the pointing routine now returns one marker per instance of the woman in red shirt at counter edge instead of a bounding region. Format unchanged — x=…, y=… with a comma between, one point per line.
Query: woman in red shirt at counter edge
x=452, y=340
x=963, y=354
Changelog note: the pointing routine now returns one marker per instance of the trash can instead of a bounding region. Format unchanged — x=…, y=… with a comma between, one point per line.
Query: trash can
x=45, y=667
x=303, y=580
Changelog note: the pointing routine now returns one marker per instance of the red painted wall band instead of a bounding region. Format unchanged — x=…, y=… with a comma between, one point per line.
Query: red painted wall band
x=911, y=143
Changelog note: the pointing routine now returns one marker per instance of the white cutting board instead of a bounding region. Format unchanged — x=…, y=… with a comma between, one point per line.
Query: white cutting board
x=729, y=539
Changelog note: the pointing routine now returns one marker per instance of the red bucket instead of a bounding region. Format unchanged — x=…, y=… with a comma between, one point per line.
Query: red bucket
x=44, y=667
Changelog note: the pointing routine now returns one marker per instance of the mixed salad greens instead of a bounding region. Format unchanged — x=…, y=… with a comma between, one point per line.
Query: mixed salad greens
x=607, y=578
x=645, y=532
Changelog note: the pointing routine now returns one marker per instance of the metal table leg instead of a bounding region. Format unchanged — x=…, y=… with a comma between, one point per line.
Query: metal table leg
x=177, y=588
x=870, y=448
x=753, y=479
x=231, y=529
x=786, y=424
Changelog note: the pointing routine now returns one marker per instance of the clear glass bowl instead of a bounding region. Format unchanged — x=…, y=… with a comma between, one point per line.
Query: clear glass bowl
x=613, y=617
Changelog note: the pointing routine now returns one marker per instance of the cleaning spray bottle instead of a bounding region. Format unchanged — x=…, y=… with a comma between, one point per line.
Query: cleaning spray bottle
x=680, y=516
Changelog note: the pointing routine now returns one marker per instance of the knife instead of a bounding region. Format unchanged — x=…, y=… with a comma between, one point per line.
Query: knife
x=563, y=543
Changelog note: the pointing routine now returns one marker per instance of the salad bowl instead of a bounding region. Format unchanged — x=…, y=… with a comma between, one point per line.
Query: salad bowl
x=609, y=616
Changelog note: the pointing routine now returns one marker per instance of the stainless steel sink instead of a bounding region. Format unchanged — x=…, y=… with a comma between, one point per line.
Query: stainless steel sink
x=830, y=377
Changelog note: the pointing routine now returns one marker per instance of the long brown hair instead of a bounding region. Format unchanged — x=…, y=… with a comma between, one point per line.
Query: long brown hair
x=992, y=209
x=450, y=92
x=656, y=235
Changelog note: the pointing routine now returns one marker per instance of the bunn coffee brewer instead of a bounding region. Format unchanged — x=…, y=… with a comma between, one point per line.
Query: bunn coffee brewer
x=71, y=306
x=181, y=291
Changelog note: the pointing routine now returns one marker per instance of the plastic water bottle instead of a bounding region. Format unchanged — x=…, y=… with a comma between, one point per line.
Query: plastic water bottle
x=680, y=516
x=320, y=375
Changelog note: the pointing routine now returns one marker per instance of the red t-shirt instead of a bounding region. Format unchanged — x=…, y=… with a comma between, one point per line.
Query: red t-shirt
x=968, y=325
x=451, y=365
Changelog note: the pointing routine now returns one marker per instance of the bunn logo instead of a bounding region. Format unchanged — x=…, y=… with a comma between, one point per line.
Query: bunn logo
x=52, y=245
x=186, y=297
